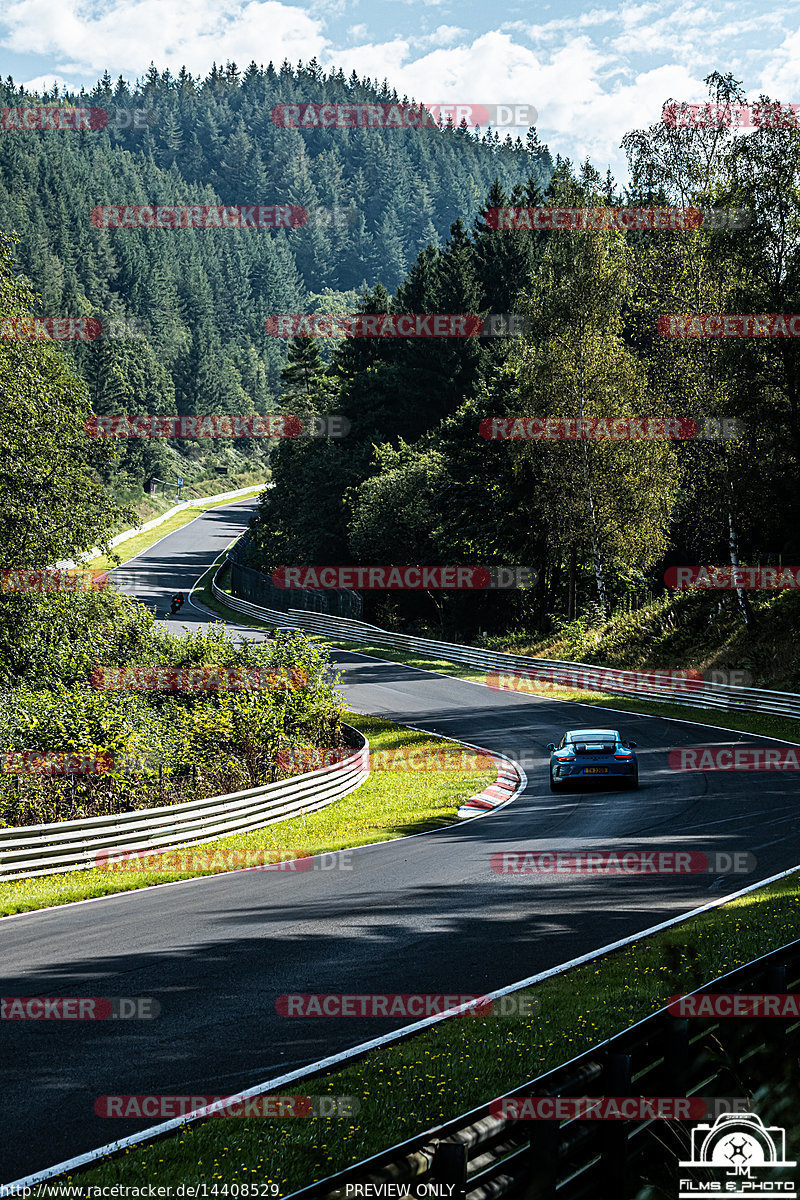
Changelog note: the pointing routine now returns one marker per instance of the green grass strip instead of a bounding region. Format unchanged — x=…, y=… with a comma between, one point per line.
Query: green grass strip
x=127, y=550
x=784, y=728
x=464, y=1062
x=390, y=804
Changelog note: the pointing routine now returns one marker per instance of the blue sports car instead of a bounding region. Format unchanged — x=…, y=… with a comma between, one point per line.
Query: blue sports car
x=592, y=754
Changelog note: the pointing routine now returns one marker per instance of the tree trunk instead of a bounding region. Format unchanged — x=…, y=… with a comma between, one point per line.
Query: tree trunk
x=733, y=553
x=571, y=597
x=587, y=484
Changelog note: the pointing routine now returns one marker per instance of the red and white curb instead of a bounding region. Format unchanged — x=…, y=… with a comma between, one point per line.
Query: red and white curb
x=507, y=783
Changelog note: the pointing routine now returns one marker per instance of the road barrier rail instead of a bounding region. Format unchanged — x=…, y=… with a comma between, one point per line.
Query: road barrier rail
x=518, y=672
x=258, y=588
x=30, y=850
x=126, y=535
x=479, y=1155
x=773, y=968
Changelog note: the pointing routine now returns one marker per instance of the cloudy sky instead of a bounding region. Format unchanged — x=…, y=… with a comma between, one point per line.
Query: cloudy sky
x=592, y=73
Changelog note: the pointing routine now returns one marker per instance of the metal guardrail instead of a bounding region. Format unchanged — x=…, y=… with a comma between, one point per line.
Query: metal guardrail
x=479, y=1155
x=334, y=1062
x=127, y=534
x=518, y=667
x=258, y=588
x=30, y=850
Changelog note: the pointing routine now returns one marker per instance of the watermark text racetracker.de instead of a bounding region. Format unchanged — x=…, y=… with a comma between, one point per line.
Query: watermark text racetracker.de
x=622, y=862
x=217, y=425
x=738, y=577
x=629, y=220
x=543, y=680
x=54, y=762
x=20, y=581
x=396, y=325
x=65, y=118
x=79, y=1008
x=781, y=1005
x=223, y=216
x=595, y=679
x=413, y=578
x=729, y=325
x=409, y=1007
x=221, y=1107
x=401, y=116
x=198, y=216
x=50, y=329
x=401, y=758
x=194, y=861
x=773, y=114
x=612, y=1108
x=612, y=428
x=733, y=758
x=169, y=678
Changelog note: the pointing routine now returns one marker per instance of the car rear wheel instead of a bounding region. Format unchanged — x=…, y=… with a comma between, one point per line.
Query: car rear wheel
x=633, y=782
x=556, y=785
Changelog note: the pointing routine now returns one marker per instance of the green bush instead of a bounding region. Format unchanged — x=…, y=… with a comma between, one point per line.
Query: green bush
x=152, y=747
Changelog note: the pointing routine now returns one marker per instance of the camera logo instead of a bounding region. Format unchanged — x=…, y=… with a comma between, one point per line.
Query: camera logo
x=740, y=1143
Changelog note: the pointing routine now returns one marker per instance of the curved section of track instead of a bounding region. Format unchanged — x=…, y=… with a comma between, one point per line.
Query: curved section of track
x=425, y=914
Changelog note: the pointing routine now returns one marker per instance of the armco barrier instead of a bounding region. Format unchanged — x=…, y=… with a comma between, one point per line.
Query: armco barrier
x=556, y=1163
x=707, y=695
x=481, y=1155
x=202, y=502
x=31, y=850
x=258, y=588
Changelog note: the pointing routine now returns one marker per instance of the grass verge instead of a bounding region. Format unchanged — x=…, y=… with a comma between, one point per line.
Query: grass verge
x=701, y=629
x=143, y=541
x=389, y=804
x=783, y=728
x=769, y=726
x=462, y=1063
x=405, y=1089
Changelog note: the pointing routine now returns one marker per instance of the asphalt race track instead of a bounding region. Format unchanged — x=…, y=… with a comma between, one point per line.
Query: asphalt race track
x=419, y=915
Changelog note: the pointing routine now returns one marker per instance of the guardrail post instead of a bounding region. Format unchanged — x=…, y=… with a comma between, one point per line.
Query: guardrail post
x=614, y=1156
x=771, y=1029
x=776, y=977
x=542, y=1162
x=450, y=1166
x=676, y=1057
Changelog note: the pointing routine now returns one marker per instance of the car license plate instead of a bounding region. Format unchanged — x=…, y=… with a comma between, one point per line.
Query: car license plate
x=596, y=771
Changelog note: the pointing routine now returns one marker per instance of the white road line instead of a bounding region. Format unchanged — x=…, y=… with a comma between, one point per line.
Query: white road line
x=728, y=820
x=345, y=1056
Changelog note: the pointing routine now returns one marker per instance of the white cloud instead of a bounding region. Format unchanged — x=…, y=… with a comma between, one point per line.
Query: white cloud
x=46, y=83
x=492, y=69
x=444, y=35
x=780, y=77
x=559, y=25
x=127, y=35
x=592, y=75
x=688, y=33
